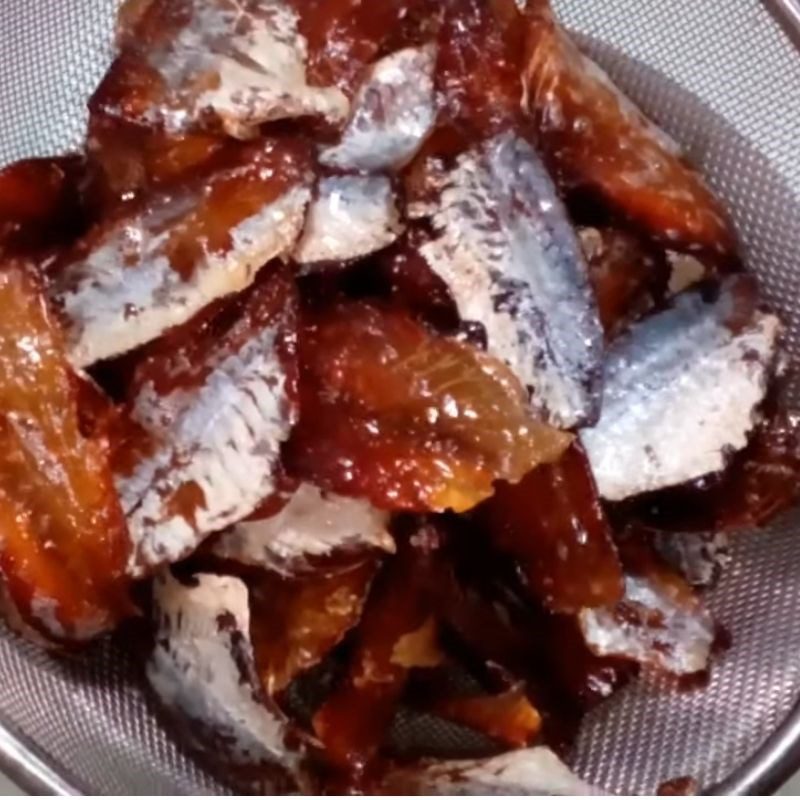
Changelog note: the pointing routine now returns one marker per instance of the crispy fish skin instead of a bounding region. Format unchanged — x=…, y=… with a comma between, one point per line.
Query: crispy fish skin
x=681, y=392
x=530, y=772
x=145, y=270
x=202, y=670
x=352, y=217
x=594, y=137
x=214, y=64
x=393, y=112
x=508, y=254
x=213, y=424
x=312, y=525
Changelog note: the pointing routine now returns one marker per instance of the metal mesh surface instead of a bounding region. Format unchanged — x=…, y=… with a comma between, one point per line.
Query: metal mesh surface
x=722, y=78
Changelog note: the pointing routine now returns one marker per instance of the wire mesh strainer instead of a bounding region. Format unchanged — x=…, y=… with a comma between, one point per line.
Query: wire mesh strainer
x=724, y=79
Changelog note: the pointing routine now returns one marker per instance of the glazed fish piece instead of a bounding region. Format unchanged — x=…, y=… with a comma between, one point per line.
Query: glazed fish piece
x=352, y=216
x=681, y=391
x=394, y=110
x=313, y=525
x=203, y=672
x=529, y=772
x=699, y=557
x=596, y=139
x=508, y=254
x=145, y=270
x=214, y=64
x=213, y=412
x=659, y=621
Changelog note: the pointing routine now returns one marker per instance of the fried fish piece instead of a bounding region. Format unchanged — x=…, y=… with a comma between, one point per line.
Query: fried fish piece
x=660, y=620
x=394, y=110
x=203, y=672
x=153, y=266
x=595, y=138
x=554, y=525
x=312, y=527
x=405, y=418
x=295, y=622
x=352, y=217
x=681, y=391
x=217, y=65
x=507, y=252
x=64, y=542
x=209, y=408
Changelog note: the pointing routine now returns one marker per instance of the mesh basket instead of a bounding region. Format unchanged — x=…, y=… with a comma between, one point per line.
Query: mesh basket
x=723, y=78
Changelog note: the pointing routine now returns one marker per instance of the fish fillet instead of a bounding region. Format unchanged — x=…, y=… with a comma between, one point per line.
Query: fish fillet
x=312, y=525
x=393, y=112
x=681, y=393
x=507, y=252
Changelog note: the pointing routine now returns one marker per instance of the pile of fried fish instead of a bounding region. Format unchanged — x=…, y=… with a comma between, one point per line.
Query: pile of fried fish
x=390, y=364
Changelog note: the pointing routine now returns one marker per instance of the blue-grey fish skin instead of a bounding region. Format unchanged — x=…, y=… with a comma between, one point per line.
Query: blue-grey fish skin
x=508, y=253
x=682, y=391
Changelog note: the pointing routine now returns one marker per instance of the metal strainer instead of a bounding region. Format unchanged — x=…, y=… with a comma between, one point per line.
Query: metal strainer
x=724, y=78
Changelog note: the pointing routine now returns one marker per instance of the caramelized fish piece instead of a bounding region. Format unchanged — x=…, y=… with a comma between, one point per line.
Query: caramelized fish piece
x=660, y=620
x=218, y=65
x=509, y=718
x=481, y=49
x=64, y=543
x=351, y=217
x=628, y=277
x=212, y=403
x=344, y=36
x=553, y=524
x=396, y=634
x=533, y=772
x=508, y=254
x=311, y=527
x=394, y=110
x=681, y=391
x=595, y=138
x=760, y=482
x=407, y=419
x=203, y=673
x=128, y=158
x=40, y=203
x=151, y=267
x=296, y=622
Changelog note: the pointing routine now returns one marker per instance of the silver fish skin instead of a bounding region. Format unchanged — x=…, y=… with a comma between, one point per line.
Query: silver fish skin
x=312, y=525
x=351, y=217
x=682, y=389
x=394, y=111
x=125, y=292
x=203, y=672
x=512, y=262
x=700, y=558
x=680, y=643
x=534, y=772
x=232, y=63
x=219, y=441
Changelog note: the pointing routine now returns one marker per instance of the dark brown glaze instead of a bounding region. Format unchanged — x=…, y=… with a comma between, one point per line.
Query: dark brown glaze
x=410, y=420
x=596, y=139
x=629, y=277
x=397, y=633
x=553, y=524
x=65, y=542
x=296, y=622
